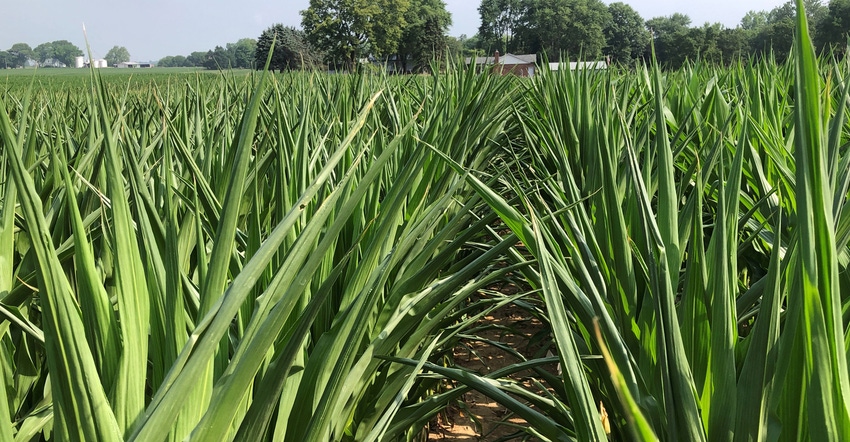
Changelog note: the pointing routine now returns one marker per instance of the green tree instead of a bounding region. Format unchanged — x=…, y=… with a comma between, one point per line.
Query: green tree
x=544, y=27
x=43, y=53
x=165, y=62
x=172, y=61
x=347, y=30
x=118, y=54
x=7, y=60
x=776, y=35
x=626, y=36
x=673, y=39
x=771, y=32
x=64, y=52
x=424, y=38
x=816, y=11
x=196, y=59
x=471, y=45
x=733, y=44
x=707, y=39
x=585, y=36
x=218, y=58
x=500, y=21
x=291, y=50
x=21, y=53
x=833, y=30
x=754, y=20
x=463, y=46
x=574, y=27
x=60, y=52
x=242, y=53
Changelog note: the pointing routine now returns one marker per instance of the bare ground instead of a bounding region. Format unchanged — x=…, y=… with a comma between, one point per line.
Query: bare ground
x=479, y=418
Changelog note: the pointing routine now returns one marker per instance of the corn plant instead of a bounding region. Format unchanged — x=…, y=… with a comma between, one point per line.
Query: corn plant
x=238, y=258
x=687, y=229
x=294, y=256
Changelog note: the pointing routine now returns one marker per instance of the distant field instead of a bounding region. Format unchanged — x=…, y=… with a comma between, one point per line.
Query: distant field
x=74, y=72
x=71, y=78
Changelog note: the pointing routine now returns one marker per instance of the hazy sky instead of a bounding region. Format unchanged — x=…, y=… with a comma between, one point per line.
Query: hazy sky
x=155, y=28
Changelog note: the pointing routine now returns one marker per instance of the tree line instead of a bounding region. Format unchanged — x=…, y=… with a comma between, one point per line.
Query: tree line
x=53, y=54
x=238, y=55
x=59, y=53
x=408, y=35
x=589, y=29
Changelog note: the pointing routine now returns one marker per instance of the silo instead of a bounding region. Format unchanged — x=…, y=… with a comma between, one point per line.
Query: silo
x=79, y=62
x=100, y=63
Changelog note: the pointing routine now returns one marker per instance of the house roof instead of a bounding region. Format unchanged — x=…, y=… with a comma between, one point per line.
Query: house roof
x=506, y=59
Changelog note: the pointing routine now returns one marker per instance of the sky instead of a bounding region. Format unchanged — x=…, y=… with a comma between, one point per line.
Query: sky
x=152, y=29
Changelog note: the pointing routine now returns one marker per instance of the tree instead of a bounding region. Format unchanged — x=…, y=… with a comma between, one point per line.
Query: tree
x=347, y=30
x=118, y=54
x=172, y=61
x=754, y=20
x=196, y=59
x=773, y=31
x=674, y=41
x=575, y=27
x=463, y=46
x=626, y=36
x=776, y=35
x=816, y=11
x=544, y=27
x=218, y=58
x=584, y=36
x=43, y=52
x=21, y=53
x=291, y=50
x=500, y=21
x=7, y=60
x=424, y=38
x=707, y=39
x=65, y=52
x=242, y=53
x=60, y=52
x=833, y=30
x=732, y=44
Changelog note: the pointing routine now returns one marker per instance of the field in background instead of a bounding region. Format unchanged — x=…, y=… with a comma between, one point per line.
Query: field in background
x=104, y=72
x=304, y=256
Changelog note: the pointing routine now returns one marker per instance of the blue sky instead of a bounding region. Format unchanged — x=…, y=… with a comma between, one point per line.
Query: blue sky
x=156, y=28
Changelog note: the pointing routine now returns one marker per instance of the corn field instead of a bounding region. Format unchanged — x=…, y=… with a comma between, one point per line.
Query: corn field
x=293, y=257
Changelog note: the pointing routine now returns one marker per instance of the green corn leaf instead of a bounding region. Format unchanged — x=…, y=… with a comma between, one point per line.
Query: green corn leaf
x=77, y=390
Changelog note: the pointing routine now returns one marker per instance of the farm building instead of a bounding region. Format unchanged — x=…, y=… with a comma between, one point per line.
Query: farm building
x=134, y=64
x=579, y=65
x=508, y=64
x=80, y=62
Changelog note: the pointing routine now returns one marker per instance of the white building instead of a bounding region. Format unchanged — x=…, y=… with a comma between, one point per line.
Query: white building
x=134, y=64
x=573, y=65
x=80, y=62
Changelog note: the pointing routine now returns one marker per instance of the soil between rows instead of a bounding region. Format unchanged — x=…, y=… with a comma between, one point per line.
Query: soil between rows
x=477, y=417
